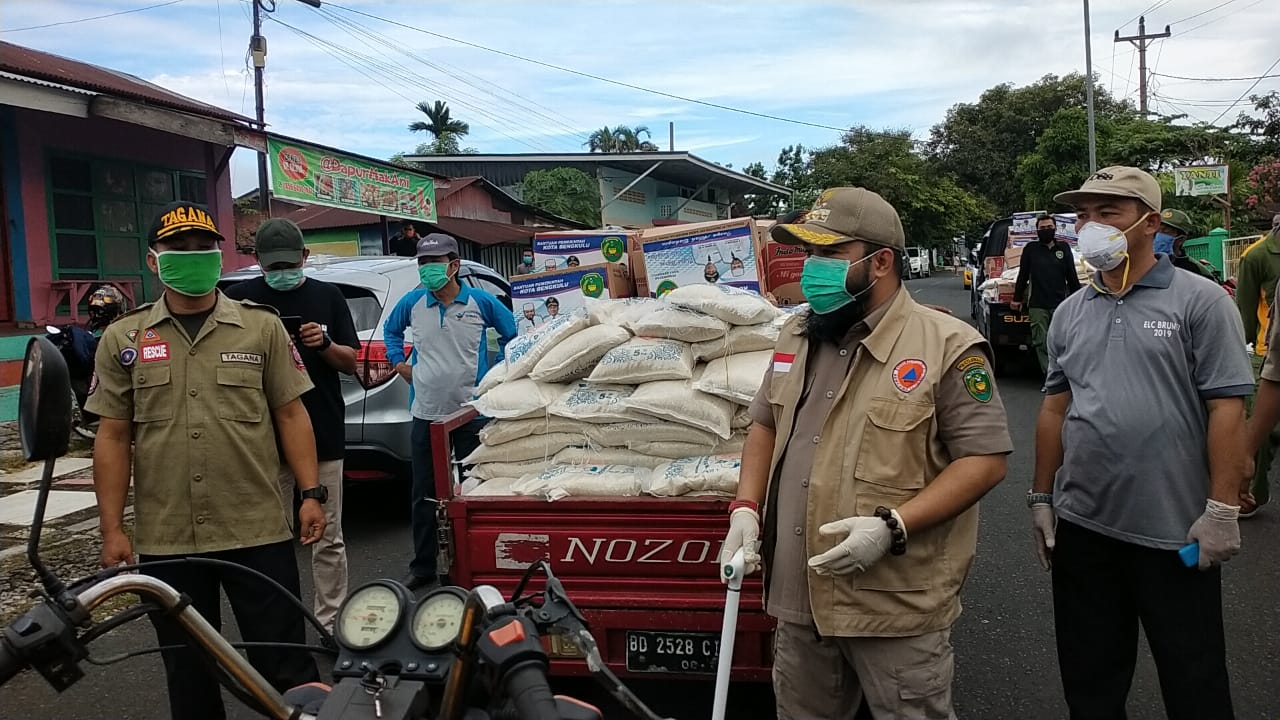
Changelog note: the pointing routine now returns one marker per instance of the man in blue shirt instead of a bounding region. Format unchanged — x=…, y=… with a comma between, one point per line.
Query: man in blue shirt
x=450, y=356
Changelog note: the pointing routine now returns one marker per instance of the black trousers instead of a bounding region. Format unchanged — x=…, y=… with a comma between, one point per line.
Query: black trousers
x=262, y=614
x=1102, y=589
x=423, y=501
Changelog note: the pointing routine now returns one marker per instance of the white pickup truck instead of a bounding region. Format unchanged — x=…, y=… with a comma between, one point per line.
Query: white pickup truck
x=918, y=262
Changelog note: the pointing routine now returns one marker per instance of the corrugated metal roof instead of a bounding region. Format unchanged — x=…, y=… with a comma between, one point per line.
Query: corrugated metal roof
x=85, y=76
x=42, y=83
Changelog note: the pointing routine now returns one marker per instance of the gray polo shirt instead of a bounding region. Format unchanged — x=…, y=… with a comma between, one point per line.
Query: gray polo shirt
x=1140, y=368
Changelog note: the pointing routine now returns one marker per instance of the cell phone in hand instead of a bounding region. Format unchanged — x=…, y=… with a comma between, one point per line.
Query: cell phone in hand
x=292, y=324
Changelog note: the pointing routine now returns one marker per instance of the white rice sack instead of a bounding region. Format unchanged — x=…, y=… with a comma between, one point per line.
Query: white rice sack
x=588, y=402
x=664, y=320
x=732, y=305
x=606, y=456
x=518, y=398
x=732, y=446
x=582, y=481
x=502, y=431
x=575, y=356
x=492, y=379
x=641, y=360
x=629, y=434
x=523, y=353
x=708, y=474
x=534, y=447
x=741, y=339
x=669, y=450
x=491, y=470
x=735, y=377
x=741, y=418
x=494, y=487
x=604, y=311
x=677, y=401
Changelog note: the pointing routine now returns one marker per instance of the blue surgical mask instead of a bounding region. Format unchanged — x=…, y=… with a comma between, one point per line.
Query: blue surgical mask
x=284, y=280
x=1163, y=243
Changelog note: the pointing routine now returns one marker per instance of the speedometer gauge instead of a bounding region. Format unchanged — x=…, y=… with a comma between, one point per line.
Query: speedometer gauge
x=438, y=618
x=369, y=616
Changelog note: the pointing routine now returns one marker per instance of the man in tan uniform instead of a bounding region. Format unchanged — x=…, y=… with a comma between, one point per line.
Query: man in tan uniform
x=876, y=430
x=203, y=385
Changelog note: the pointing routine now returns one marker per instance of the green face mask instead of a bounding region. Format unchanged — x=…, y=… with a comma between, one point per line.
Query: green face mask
x=284, y=280
x=434, y=275
x=824, y=283
x=193, y=273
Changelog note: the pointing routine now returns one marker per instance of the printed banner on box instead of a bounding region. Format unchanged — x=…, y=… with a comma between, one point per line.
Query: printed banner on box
x=1023, y=229
x=538, y=299
x=556, y=251
x=324, y=177
x=1200, y=180
x=725, y=257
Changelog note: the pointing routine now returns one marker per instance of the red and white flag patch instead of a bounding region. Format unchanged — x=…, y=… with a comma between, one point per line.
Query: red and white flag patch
x=782, y=362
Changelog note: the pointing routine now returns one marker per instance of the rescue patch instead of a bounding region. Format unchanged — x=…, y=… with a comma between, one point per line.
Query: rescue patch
x=150, y=334
x=908, y=374
x=978, y=383
x=297, y=359
x=93, y=382
x=132, y=335
x=128, y=357
x=242, y=357
x=782, y=362
x=154, y=352
x=970, y=361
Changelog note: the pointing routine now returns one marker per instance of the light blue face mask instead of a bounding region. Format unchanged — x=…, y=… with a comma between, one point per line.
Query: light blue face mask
x=284, y=280
x=1163, y=243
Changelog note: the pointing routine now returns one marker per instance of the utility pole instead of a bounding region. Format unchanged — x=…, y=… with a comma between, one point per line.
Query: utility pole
x=1088, y=91
x=1142, y=41
x=258, y=50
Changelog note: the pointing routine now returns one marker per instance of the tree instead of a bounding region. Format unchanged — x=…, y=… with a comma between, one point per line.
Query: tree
x=563, y=191
x=765, y=206
x=1266, y=126
x=439, y=122
x=621, y=139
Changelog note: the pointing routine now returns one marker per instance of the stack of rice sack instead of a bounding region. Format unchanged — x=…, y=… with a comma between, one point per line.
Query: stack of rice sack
x=627, y=397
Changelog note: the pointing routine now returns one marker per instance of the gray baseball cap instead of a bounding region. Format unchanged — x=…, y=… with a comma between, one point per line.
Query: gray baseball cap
x=437, y=245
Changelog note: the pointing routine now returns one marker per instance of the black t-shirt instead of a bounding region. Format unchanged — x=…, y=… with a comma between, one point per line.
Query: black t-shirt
x=319, y=302
x=1051, y=272
x=404, y=246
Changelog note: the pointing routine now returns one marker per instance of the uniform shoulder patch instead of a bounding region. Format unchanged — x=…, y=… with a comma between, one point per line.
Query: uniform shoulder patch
x=969, y=361
x=297, y=359
x=977, y=382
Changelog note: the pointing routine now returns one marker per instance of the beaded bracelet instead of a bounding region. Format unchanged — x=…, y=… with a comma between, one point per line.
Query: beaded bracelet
x=899, y=536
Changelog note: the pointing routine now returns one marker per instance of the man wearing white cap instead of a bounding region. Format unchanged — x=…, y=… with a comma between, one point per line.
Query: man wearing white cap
x=1116, y=495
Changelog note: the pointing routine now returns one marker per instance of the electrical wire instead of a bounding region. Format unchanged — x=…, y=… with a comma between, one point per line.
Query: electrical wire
x=95, y=17
x=1246, y=92
x=1155, y=6
x=1203, y=12
x=1218, y=79
x=222, y=54
x=598, y=78
x=1224, y=16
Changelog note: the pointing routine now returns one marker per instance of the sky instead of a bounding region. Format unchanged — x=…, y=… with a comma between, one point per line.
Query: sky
x=898, y=64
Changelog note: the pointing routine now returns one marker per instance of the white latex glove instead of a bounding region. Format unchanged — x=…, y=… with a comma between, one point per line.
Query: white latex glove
x=867, y=540
x=1043, y=524
x=1218, y=532
x=744, y=534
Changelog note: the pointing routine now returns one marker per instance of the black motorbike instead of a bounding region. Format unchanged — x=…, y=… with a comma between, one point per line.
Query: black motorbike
x=454, y=654
x=77, y=347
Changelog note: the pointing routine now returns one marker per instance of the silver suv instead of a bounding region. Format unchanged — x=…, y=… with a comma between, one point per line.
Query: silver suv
x=378, y=422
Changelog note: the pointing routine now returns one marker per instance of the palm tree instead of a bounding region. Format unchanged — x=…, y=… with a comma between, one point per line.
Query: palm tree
x=603, y=140
x=440, y=124
x=621, y=139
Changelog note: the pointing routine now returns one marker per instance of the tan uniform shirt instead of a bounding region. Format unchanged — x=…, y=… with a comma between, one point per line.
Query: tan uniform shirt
x=964, y=423
x=205, y=460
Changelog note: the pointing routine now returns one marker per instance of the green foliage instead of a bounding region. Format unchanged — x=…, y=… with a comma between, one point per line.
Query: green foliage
x=621, y=139
x=563, y=191
x=439, y=121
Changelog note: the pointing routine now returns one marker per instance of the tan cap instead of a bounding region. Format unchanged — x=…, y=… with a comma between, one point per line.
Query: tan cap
x=1117, y=181
x=842, y=215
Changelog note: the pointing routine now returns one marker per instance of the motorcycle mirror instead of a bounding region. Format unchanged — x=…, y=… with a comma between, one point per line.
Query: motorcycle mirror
x=52, y=330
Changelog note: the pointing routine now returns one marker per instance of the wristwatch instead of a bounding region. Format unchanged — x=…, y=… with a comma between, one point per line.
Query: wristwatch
x=318, y=493
x=1035, y=498
x=327, y=342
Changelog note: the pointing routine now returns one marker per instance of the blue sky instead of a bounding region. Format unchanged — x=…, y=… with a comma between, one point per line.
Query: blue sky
x=881, y=63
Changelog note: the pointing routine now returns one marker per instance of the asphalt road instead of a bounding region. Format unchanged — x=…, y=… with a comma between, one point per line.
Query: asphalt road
x=1006, y=664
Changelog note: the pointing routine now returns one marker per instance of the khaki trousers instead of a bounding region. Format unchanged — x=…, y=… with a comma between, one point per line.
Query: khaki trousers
x=329, y=553
x=902, y=678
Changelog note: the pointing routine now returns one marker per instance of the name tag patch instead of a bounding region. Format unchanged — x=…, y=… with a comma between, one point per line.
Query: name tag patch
x=154, y=352
x=782, y=362
x=242, y=357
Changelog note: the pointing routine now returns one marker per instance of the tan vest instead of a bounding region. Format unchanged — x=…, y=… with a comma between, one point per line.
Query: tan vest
x=880, y=446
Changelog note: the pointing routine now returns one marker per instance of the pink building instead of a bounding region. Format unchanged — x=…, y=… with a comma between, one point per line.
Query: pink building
x=87, y=155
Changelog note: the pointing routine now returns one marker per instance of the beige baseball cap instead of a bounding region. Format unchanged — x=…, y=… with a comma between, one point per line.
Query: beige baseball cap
x=842, y=215
x=1117, y=181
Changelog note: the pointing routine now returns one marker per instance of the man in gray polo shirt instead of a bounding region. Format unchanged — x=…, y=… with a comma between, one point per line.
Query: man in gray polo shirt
x=1115, y=495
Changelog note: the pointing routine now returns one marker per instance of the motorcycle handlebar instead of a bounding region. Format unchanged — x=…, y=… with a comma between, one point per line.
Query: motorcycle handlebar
x=529, y=692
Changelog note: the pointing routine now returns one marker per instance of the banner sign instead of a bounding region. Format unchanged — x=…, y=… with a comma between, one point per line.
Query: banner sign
x=1200, y=180
x=323, y=177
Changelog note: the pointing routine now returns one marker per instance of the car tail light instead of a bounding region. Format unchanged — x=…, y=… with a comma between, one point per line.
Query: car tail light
x=372, y=367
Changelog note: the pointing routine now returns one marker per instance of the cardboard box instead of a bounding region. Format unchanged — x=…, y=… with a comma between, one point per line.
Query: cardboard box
x=566, y=290
x=783, y=266
x=722, y=252
x=555, y=250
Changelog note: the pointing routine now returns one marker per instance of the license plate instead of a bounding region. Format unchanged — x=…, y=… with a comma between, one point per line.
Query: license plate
x=672, y=652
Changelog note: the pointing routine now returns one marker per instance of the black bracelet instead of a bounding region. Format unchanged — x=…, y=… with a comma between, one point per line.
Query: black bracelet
x=899, y=536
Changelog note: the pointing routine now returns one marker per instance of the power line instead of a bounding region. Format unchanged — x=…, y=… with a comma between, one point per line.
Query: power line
x=1224, y=16
x=1154, y=6
x=1218, y=79
x=1203, y=12
x=590, y=76
x=95, y=17
x=1246, y=92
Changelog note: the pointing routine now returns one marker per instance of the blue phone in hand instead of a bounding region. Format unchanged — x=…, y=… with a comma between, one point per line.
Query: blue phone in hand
x=1190, y=554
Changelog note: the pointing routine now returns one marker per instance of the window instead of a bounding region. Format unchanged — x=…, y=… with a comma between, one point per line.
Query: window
x=100, y=211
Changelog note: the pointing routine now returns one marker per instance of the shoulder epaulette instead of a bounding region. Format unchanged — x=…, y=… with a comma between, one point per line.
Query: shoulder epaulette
x=257, y=306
